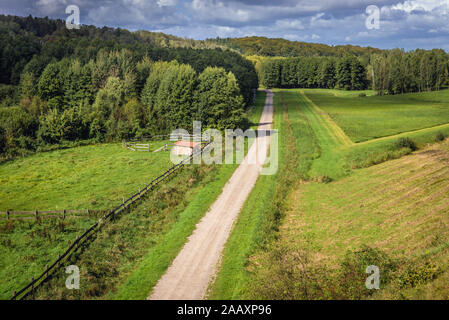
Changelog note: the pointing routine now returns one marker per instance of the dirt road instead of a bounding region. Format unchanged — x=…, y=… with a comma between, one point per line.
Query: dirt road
x=190, y=273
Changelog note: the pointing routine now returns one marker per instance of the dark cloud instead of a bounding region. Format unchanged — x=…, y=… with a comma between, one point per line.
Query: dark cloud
x=404, y=23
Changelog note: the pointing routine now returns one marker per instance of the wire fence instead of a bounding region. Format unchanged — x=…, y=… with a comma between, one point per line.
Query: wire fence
x=126, y=203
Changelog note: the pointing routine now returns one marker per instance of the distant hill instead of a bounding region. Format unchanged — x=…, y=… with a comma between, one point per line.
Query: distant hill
x=278, y=47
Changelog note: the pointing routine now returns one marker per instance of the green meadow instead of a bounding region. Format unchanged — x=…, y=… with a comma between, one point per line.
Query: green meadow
x=87, y=177
x=370, y=117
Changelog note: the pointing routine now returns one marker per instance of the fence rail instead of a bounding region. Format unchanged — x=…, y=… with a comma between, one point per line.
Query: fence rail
x=172, y=137
x=37, y=214
x=137, y=146
x=126, y=203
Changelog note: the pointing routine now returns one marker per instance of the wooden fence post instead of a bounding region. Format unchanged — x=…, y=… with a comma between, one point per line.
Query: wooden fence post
x=46, y=270
x=88, y=213
x=7, y=215
x=63, y=214
x=35, y=213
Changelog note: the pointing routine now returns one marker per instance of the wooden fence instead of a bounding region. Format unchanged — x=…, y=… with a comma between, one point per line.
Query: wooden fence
x=37, y=214
x=137, y=146
x=51, y=269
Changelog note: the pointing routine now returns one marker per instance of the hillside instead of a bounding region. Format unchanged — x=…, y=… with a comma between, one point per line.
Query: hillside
x=278, y=47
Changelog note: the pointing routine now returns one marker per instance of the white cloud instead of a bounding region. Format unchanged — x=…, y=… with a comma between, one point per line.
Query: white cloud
x=166, y=3
x=290, y=24
x=421, y=5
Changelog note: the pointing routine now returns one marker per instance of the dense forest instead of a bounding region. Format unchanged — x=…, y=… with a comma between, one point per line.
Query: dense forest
x=103, y=84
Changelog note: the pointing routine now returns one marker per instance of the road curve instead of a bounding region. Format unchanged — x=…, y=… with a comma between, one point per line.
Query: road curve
x=192, y=270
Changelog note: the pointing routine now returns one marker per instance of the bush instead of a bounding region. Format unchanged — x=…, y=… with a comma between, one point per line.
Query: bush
x=353, y=271
x=293, y=276
x=402, y=143
x=439, y=137
x=362, y=95
x=418, y=275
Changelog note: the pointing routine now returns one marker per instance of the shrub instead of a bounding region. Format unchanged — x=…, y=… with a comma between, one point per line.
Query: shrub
x=362, y=95
x=292, y=274
x=353, y=271
x=417, y=275
x=439, y=137
x=402, y=143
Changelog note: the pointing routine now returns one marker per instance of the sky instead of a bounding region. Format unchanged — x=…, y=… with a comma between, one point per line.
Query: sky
x=406, y=24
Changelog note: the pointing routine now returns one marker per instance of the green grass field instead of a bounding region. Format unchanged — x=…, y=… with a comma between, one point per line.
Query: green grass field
x=326, y=230
x=88, y=177
x=366, y=118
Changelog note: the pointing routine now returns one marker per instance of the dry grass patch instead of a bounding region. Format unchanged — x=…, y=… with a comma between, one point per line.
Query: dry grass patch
x=399, y=207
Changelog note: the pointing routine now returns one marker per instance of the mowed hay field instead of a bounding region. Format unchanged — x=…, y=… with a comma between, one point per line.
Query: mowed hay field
x=370, y=117
x=337, y=220
x=88, y=177
x=400, y=207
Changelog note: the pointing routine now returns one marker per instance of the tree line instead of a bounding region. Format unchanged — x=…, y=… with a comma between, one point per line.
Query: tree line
x=397, y=71
x=105, y=84
x=314, y=72
x=390, y=72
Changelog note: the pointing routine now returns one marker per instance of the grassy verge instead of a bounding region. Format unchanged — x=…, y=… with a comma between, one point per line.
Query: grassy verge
x=256, y=109
x=331, y=163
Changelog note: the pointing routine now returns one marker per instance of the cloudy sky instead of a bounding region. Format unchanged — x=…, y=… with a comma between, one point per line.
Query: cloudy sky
x=406, y=24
